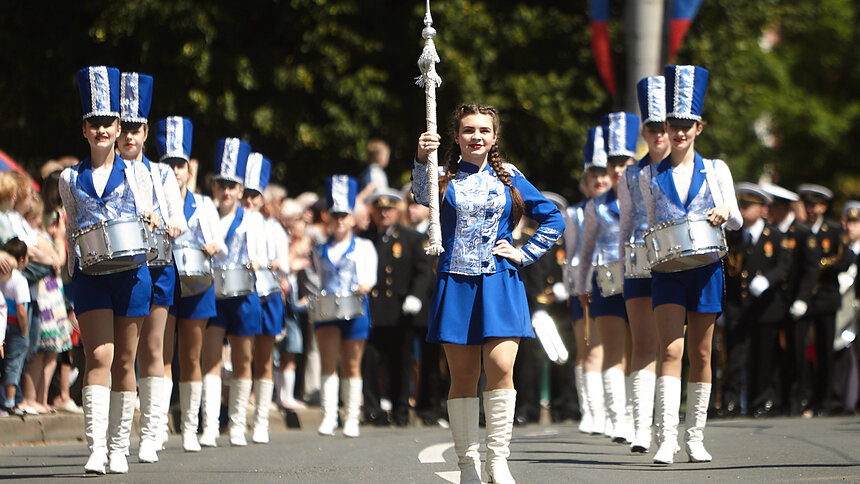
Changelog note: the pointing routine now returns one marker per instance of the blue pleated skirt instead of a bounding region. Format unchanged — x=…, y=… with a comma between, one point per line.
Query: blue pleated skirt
x=467, y=309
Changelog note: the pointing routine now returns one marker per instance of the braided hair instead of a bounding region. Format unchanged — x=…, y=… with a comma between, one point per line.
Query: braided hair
x=494, y=157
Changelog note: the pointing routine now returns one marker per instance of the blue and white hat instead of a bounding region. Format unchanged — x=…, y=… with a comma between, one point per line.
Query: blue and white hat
x=173, y=138
x=135, y=97
x=620, y=134
x=340, y=193
x=231, y=159
x=594, y=152
x=257, y=173
x=685, y=91
x=651, y=92
x=99, y=88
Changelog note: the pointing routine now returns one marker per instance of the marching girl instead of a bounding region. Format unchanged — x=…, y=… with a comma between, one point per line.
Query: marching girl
x=238, y=317
x=478, y=310
x=257, y=174
x=110, y=308
x=637, y=290
x=686, y=184
x=345, y=264
x=589, y=354
x=600, y=244
x=173, y=139
x=154, y=384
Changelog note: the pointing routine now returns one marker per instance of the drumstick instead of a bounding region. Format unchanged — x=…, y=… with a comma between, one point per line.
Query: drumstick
x=583, y=301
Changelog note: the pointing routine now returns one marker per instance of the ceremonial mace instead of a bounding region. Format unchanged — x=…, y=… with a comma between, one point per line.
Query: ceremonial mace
x=430, y=80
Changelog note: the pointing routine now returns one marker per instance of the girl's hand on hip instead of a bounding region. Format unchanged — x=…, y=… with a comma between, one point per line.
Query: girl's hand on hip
x=503, y=248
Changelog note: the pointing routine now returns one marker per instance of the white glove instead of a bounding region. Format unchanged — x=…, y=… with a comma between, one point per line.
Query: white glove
x=845, y=282
x=411, y=305
x=798, y=309
x=758, y=285
x=559, y=290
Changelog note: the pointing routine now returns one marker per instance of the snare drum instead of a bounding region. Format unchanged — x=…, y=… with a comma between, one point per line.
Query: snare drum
x=114, y=246
x=610, y=280
x=233, y=281
x=331, y=307
x=194, y=268
x=636, y=265
x=163, y=247
x=684, y=243
x=267, y=282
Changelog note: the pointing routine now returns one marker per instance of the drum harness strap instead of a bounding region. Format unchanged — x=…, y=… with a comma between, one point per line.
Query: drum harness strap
x=155, y=174
x=710, y=177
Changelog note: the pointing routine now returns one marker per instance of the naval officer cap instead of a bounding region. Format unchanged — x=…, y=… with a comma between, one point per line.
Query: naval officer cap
x=851, y=210
x=812, y=193
x=385, y=198
x=685, y=93
x=99, y=89
x=651, y=92
x=620, y=133
x=258, y=170
x=173, y=136
x=779, y=193
x=135, y=94
x=594, y=152
x=231, y=159
x=340, y=194
x=752, y=193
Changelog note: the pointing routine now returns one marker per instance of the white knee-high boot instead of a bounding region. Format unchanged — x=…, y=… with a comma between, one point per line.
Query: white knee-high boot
x=698, y=396
x=189, y=404
x=329, y=385
x=643, y=409
x=594, y=397
x=262, y=403
x=164, y=417
x=151, y=389
x=96, y=400
x=499, y=413
x=614, y=385
x=463, y=417
x=240, y=392
x=669, y=396
x=211, y=408
x=585, y=422
x=351, y=391
x=119, y=430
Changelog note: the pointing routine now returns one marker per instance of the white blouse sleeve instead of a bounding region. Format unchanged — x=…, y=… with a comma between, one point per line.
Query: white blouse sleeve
x=175, y=208
x=645, y=188
x=71, y=207
x=727, y=190
x=257, y=249
x=625, y=209
x=588, y=243
x=281, y=245
x=209, y=216
x=570, y=230
x=366, y=263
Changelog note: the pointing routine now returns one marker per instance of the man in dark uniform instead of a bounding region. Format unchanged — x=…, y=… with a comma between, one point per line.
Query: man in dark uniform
x=797, y=286
x=756, y=266
x=403, y=277
x=826, y=240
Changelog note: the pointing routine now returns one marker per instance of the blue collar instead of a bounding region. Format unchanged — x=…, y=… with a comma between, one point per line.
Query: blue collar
x=190, y=205
x=667, y=183
x=85, y=177
x=237, y=220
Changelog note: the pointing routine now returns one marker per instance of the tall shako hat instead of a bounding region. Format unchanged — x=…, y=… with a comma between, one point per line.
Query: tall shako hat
x=135, y=97
x=685, y=91
x=257, y=172
x=340, y=193
x=752, y=193
x=99, y=88
x=651, y=92
x=173, y=138
x=594, y=152
x=231, y=158
x=620, y=133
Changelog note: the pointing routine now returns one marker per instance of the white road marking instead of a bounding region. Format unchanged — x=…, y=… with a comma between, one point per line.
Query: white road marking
x=433, y=453
x=450, y=476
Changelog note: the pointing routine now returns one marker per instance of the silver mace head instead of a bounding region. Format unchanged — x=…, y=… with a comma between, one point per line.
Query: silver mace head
x=428, y=32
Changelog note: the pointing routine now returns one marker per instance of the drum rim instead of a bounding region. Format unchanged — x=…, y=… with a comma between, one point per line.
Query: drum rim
x=105, y=223
x=721, y=254
x=677, y=221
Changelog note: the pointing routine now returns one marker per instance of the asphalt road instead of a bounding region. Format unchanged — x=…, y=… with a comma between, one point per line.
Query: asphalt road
x=768, y=450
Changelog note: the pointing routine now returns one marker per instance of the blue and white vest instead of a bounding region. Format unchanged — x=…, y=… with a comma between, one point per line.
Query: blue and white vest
x=640, y=213
x=340, y=278
x=236, y=240
x=192, y=208
x=608, y=228
x=667, y=203
x=116, y=201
